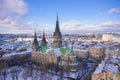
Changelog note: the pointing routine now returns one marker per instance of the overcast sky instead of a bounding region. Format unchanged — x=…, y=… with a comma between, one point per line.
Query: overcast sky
x=75, y=16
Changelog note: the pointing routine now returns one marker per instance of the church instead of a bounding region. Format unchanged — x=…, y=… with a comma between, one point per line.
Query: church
x=59, y=57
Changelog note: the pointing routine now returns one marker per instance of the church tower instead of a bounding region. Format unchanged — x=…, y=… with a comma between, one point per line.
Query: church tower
x=57, y=36
x=44, y=42
x=35, y=44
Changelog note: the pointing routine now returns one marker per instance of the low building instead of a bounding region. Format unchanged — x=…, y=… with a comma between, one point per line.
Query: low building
x=84, y=54
x=114, y=51
x=109, y=69
x=107, y=37
x=111, y=37
x=97, y=51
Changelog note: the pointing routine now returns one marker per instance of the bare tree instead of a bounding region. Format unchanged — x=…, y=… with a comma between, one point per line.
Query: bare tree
x=4, y=70
x=25, y=72
x=0, y=71
x=14, y=73
x=31, y=70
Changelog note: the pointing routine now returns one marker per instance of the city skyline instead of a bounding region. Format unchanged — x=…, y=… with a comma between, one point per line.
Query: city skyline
x=75, y=16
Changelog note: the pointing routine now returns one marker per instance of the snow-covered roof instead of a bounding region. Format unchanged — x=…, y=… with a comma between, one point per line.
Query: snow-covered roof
x=63, y=52
x=99, y=68
x=44, y=49
x=57, y=52
x=111, y=63
x=112, y=68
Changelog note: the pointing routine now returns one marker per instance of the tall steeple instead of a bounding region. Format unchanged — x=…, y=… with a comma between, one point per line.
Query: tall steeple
x=44, y=42
x=57, y=29
x=35, y=44
x=57, y=42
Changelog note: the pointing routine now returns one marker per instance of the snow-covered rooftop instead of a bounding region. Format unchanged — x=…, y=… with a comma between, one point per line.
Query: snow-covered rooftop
x=99, y=68
x=111, y=63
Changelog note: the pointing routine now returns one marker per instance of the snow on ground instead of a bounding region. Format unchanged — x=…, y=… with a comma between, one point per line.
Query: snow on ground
x=12, y=54
x=24, y=73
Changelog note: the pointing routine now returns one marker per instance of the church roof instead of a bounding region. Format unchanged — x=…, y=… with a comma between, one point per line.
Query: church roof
x=57, y=51
x=44, y=49
x=63, y=51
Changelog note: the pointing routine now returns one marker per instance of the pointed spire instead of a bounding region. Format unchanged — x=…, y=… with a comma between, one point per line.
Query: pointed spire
x=43, y=32
x=57, y=16
x=72, y=44
x=57, y=29
x=43, y=36
x=35, y=42
x=35, y=36
x=44, y=42
x=57, y=35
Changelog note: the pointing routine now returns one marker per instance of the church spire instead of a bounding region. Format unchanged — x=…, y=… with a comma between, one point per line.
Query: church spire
x=57, y=29
x=44, y=42
x=57, y=42
x=35, y=42
x=57, y=17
